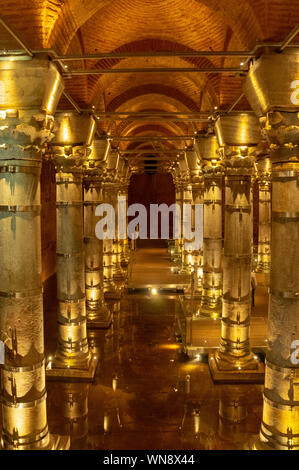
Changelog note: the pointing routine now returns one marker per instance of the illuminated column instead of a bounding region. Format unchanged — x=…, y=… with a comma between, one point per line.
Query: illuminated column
x=177, y=258
x=110, y=188
x=123, y=193
x=71, y=147
x=187, y=253
x=31, y=90
x=98, y=314
x=268, y=97
x=234, y=361
x=264, y=231
x=212, y=246
x=118, y=275
x=196, y=184
x=185, y=198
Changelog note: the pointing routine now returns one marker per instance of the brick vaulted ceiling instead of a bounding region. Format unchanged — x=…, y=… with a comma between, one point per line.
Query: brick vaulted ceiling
x=97, y=26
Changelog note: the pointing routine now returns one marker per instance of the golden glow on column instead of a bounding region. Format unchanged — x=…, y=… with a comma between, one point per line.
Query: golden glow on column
x=66, y=130
x=51, y=100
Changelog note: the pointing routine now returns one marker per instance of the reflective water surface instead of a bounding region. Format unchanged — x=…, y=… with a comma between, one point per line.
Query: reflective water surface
x=147, y=394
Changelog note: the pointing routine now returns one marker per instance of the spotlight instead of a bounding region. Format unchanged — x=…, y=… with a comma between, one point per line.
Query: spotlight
x=154, y=291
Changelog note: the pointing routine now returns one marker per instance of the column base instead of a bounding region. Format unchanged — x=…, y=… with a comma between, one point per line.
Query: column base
x=210, y=309
x=100, y=318
x=223, y=371
x=207, y=312
x=113, y=294
x=56, y=442
x=54, y=371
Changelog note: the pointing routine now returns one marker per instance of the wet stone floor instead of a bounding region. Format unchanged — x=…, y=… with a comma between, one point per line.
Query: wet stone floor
x=147, y=394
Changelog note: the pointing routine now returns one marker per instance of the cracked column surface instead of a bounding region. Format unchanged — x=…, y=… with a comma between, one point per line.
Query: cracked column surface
x=211, y=302
x=32, y=90
x=277, y=105
x=71, y=146
x=98, y=314
x=234, y=361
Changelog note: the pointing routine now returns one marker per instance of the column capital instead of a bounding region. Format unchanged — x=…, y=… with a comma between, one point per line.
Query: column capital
x=71, y=145
x=30, y=91
x=276, y=101
x=238, y=137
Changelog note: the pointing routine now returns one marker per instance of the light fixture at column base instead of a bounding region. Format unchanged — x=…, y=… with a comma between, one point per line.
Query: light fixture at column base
x=72, y=374
x=100, y=319
x=213, y=314
x=242, y=375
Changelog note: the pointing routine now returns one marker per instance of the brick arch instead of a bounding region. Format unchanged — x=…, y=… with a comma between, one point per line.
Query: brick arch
x=159, y=89
x=134, y=128
x=239, y=16
x=100, y=83
x=126, y=127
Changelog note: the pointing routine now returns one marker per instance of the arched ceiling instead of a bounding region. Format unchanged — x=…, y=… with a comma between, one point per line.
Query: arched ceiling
x=105, y=26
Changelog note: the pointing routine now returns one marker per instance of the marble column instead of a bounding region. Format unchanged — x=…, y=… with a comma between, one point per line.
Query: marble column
x=280, y=423
x=234, y=361
x=71, y=147
x=32, y=90
x=98, y=314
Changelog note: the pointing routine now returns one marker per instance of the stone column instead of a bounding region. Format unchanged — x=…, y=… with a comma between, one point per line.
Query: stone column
x=31, y=90
x=234, y=361
x=110, y=189
x=124, y=244
x=264, y=230
x=268, y=97
x=118, y=273
x=71, y=147
x=211, y=301
x=196, y=184
x=177, y=256
x=98, y=314
x=188, y=257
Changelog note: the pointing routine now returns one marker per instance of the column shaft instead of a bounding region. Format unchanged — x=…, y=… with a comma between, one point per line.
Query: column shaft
x=234, y=344
x=98, y=315
x=72, y=334
x=280, y=424
x=212, y=247
x=264, y=231
x=24, y=415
